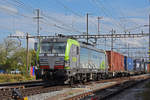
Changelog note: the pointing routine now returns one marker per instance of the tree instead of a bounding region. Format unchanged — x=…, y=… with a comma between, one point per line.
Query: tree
x=13, y=57
x=7, y=49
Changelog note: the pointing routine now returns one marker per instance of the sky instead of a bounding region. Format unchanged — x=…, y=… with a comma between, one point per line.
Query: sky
x=17, y=17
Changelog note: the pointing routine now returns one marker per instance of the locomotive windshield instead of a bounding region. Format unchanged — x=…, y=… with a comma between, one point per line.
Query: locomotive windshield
x=53, y=48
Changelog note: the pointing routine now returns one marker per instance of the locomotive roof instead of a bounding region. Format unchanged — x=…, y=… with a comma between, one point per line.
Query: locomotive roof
x=91, y=47
x=55, y=40
x=64, y=39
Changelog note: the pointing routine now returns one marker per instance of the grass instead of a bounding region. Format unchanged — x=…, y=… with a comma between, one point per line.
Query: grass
x=14, y=78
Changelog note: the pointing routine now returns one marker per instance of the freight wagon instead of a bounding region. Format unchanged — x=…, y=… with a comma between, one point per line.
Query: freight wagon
x=116, y=63
x=129, y=65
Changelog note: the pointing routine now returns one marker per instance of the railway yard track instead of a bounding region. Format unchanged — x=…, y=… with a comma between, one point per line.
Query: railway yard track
x=102, y=89
x=98, y=90
x=111, y=91
x=9, y=91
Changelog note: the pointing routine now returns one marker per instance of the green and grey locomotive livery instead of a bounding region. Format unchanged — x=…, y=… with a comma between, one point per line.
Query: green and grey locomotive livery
x=69, y=61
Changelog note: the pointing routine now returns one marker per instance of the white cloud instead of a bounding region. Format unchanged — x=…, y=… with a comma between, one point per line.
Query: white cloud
x=135, y=42
x=8, y=9
x=71, y=22
x=79, y=22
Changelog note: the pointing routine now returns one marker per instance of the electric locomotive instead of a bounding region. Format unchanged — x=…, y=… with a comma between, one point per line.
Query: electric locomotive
x=68, y=61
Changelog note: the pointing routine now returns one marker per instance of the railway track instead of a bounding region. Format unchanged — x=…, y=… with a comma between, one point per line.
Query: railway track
x=25, y=90
x=109, y=91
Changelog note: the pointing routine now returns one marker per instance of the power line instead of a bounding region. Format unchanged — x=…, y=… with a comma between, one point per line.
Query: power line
x=121, y=13
x=54, y=19
x=55, y=25
x=97, y=3
x=69, y=9
x=20, y=14
x=33, y=9
x=59, y=21
x=21, y=4
x=30, y=8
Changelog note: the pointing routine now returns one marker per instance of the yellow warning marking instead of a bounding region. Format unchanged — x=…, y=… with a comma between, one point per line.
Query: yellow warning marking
x=74, y=59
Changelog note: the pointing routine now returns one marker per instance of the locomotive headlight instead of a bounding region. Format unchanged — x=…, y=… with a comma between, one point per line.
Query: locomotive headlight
x=41, y=54
x=42, y=72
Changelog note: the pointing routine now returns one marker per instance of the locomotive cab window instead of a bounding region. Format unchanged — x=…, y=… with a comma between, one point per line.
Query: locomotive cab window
x=53, y=47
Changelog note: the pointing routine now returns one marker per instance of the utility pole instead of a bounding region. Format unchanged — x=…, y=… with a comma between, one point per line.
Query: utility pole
x=38, y=22
x=38, y=25
x=149, y=44
x=87, y=25
x=98, y=18
x=112, y=32
x=27, y=52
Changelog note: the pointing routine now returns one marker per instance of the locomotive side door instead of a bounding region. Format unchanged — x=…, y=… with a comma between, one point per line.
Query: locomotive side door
x=74, y=56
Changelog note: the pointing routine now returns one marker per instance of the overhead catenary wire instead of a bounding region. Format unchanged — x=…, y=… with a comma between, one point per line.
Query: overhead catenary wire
x=55, y=25
x=17, y=13
x=24, y=6
x=97, y=2
x=122, y=14
x=75, y=13
x=59, y=21
x=111, y=15
x=115, y=22
x=67, y=8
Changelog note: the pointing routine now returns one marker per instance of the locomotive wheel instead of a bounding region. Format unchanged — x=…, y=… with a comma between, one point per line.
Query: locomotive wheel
x=71, y=82
x=98, y=78
x=84, y=80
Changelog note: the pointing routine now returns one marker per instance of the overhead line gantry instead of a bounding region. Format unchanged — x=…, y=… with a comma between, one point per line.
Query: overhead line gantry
x=89, y=36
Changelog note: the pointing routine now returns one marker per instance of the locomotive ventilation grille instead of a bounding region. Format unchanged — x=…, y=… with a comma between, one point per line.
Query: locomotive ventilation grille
x=43, y=61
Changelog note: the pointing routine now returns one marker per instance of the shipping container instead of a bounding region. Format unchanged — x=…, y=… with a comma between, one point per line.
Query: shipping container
x=115, y=61
x=128, y=64
x=148, y=68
